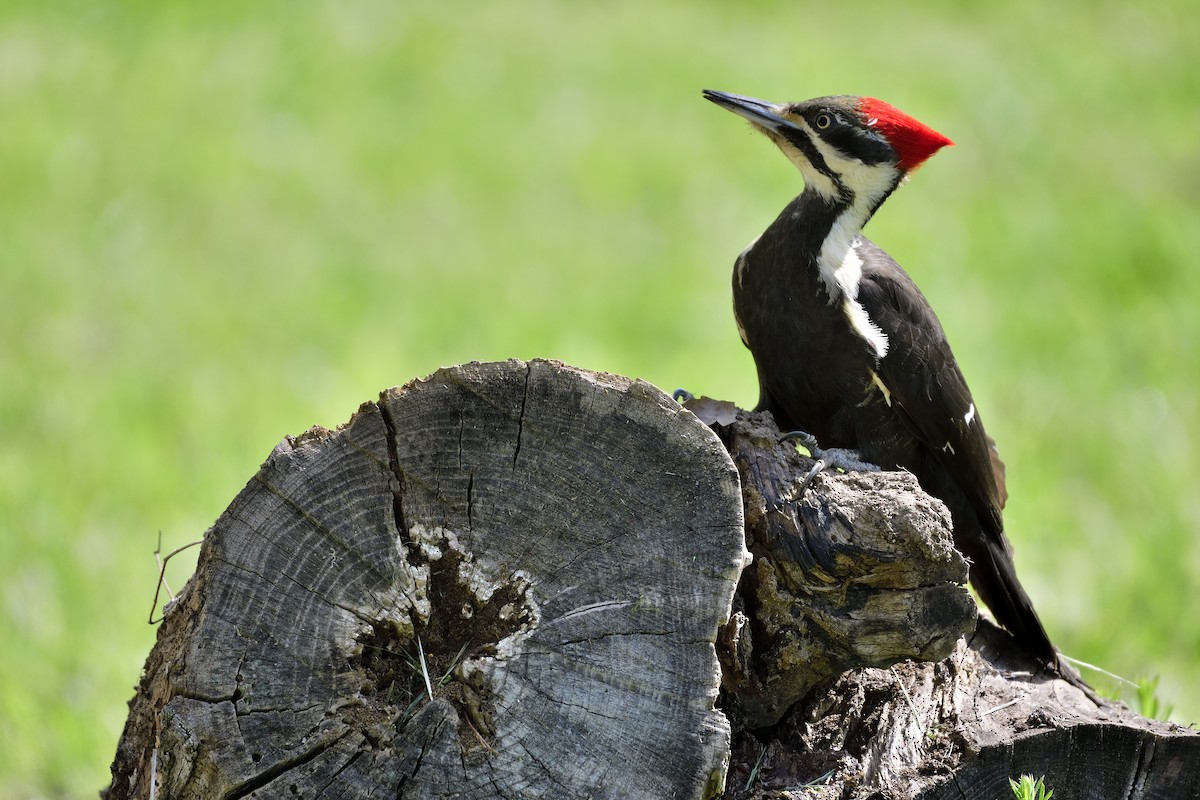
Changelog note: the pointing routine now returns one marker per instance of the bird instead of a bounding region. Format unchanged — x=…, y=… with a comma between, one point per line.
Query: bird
x=849, y=351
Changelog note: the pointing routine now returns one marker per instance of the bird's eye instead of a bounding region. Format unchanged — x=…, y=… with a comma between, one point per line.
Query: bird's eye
x=823, y=121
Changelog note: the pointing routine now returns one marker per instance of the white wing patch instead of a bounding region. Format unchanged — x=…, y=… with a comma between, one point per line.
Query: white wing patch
x=969, y=417
x=887, y=395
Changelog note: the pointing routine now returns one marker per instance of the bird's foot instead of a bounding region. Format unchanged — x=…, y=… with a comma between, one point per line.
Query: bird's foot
x=682, y=395
x=833, y=458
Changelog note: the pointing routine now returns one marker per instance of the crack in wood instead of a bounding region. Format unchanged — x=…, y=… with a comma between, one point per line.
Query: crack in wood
x=1137, y=783
x=521, y=416
x=416, y=769
x=279, y=768
x=393, y=451
x=463, y=498
x=349, y=763
x=471, y=502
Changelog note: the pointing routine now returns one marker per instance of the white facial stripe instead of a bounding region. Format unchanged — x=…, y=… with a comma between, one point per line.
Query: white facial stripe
x=837, y=247
x=869, y=182
x=840, y=266
x=813, y=178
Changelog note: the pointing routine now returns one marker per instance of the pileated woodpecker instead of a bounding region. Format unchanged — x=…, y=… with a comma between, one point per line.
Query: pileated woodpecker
x=849, y=350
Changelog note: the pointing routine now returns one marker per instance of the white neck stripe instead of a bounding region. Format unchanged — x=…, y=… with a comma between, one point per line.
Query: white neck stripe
x=847, y=276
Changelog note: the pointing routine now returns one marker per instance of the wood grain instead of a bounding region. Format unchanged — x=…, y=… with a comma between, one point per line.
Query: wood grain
x=554, y=549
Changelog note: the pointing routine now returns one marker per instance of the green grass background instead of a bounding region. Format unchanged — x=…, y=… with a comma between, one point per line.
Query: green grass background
x=221, y=223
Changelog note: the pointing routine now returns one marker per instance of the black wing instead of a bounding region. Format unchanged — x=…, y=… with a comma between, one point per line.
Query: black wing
x=926, y=384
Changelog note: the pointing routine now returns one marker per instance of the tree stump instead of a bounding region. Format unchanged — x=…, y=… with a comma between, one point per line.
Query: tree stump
x=872, y=579
x=547, y=553
x=958, y=729
x=516, y=580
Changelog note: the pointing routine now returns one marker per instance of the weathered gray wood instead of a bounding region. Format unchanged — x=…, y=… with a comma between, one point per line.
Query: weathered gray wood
x=557, y=547
x=859, y=570
x=855, y=572
x=958, y=729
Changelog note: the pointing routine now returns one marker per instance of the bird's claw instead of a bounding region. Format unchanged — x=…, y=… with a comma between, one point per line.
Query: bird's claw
x=805, y=438
x=833, y=458
x=682, y=395
x=820, y=465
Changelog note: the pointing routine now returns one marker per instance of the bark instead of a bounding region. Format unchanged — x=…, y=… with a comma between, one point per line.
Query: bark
x=958, y=729
x=856, y=570
x=873, y=579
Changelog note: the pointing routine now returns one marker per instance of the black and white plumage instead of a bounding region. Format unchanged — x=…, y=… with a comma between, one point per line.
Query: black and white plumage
x=847, y=347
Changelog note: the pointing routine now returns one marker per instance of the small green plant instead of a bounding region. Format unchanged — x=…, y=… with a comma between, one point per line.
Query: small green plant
x=1027, y=788
x=1149, y=704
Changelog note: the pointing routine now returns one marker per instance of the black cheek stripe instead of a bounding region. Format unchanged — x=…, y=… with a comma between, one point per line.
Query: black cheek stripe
x=804, y=144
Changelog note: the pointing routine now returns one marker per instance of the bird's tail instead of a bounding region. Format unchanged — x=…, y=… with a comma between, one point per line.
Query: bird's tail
x=995, y=579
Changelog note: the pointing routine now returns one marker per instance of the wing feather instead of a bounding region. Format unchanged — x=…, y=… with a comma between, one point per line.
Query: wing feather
x=926, y=383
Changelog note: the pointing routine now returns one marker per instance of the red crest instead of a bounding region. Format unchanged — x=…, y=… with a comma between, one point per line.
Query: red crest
x=913, y=140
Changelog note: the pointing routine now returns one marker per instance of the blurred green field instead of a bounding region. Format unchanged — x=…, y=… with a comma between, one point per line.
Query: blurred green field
x=223, y=223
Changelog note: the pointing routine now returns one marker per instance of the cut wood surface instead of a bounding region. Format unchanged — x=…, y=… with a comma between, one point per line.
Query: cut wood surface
x=548, y=552
x=518, y=580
